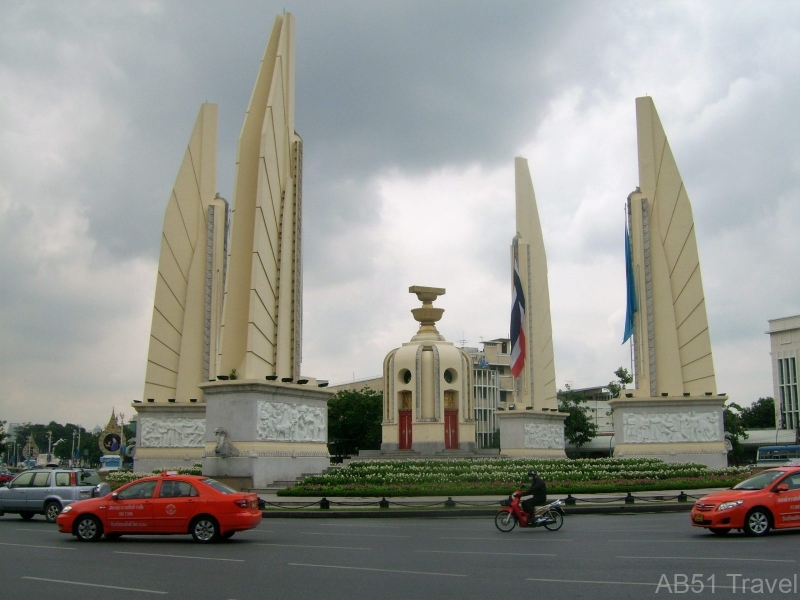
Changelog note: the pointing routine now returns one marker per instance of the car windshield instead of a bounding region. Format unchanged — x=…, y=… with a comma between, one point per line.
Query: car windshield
x=220, y=487
x=760, y=481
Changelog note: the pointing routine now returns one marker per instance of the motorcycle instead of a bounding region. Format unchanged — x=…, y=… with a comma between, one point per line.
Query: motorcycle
x=549, y=516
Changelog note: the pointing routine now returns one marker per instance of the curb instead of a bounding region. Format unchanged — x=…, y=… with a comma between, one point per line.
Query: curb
x=449, y=513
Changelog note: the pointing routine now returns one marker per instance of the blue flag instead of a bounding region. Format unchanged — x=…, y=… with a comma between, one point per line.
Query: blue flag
x=632, y=305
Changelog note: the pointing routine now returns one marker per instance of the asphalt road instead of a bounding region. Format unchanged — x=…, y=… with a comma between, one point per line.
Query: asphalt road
x=592, y=556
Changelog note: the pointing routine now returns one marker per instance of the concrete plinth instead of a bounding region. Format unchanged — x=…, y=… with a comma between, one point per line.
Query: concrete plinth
x=672, y=429
x=528, y=434
x=265, y=431
x=169, y=435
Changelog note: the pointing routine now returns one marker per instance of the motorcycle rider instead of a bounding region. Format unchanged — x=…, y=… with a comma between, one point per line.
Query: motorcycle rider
x=537, y=492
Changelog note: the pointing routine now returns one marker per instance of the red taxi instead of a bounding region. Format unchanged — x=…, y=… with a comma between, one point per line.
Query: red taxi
x=769, y=499
x=163, y=504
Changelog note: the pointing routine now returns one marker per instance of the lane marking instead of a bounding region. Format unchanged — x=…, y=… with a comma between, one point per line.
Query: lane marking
x=355, y=534
x=596, y=582
x=780, y=560
x=485, y=553
x=34, y=546
x=378, y=570
x=179, y=556
x=709, y=540
x=301, y=546
x=360, y=526
x=108, y=587
x=495, y=539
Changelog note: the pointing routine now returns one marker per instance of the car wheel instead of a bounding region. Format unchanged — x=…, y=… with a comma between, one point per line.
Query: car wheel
x=27, y=515
x=720, y=530
x=88, y=528
x=51, y=511
x=756, y=522
x=205, y=530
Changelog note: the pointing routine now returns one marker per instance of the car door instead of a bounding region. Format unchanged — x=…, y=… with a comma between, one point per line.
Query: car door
x=38, y=490
x=175, y=506
x=787, y=504
x=13, y=497
x=131, y=509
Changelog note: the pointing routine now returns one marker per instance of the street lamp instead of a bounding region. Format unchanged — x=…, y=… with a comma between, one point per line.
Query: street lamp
x=57, y=443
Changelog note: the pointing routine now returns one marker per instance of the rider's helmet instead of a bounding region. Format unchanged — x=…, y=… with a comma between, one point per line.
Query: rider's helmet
x=532, y=474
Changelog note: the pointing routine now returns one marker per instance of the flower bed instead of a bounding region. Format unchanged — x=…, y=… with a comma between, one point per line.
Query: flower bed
x=500, y=476
x=117, y=479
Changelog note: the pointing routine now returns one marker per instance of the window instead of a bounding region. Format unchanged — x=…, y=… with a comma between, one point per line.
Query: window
x=23, y=480
x=177, y=489
x=142, y=489
x=41, y=479
x=88, y=478
x=787, y=390
x=62, y=479
x=220, y=487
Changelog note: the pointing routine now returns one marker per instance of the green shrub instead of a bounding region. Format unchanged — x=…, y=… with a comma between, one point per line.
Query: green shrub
x=501, y=476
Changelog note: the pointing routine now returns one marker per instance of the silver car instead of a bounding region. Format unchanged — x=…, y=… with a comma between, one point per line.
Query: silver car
x=47, y=491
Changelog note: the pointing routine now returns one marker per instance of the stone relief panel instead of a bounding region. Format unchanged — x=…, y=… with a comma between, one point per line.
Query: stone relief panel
x=642, y=428
x=172, y=433
x=544, y=435
x=281, y=422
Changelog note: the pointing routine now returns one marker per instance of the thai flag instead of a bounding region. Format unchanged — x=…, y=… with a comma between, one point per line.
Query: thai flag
x=517, y=325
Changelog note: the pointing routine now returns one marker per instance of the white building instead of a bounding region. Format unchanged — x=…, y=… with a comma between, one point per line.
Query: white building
x=784, y=337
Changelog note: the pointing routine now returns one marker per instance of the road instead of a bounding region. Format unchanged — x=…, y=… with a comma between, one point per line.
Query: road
x=592, y=556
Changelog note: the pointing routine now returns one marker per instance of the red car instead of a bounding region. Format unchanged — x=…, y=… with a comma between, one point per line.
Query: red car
x=163, y=504
x=769, y=499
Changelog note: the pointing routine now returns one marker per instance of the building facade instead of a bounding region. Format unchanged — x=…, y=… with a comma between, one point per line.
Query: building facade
x=784, y=336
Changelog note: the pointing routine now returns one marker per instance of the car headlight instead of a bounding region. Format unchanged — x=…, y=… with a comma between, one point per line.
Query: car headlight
x=66, y=509
x=729, y=505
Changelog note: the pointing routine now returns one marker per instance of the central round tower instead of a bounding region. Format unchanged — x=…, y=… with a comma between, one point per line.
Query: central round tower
x=428, y=389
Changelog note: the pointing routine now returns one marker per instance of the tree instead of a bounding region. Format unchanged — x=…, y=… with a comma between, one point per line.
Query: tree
x=734, y=431
x=3, y=436
x=354, y=421
x=623, y=378
x=760, y=414
x=578, y=426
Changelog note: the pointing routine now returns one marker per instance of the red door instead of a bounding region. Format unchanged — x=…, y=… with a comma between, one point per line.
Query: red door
x=405, y=430
x=451, y=430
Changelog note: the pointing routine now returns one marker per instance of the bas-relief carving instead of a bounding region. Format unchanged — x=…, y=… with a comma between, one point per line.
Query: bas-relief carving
x=172, y=433
x=281, y=422
x=544, y=435
x=689, y=426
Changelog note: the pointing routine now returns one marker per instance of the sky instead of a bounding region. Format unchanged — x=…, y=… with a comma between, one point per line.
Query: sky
x=411, y=115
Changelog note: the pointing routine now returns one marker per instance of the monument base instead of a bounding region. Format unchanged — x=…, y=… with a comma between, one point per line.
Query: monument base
x=685, y=429
x=169, y=436
x=528, y=434
x=265, y=431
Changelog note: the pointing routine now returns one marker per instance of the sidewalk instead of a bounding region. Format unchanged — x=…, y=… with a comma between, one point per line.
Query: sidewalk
x=464, y=506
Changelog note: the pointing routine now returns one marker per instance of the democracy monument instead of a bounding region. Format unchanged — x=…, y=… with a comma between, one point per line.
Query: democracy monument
x=223, y=384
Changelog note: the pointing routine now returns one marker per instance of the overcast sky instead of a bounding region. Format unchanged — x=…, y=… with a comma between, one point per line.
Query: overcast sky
x=411, y=115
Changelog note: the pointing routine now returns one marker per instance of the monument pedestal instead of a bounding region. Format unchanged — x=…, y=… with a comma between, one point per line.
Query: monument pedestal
x=265, y=431
x=528, y=434
x=169, y=435
x=670, y=428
